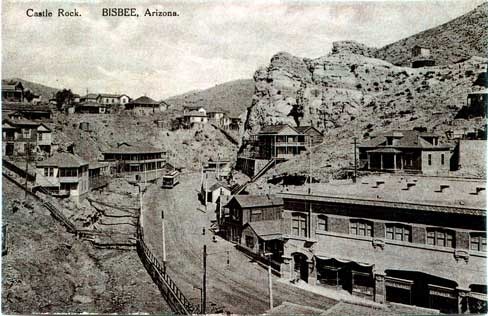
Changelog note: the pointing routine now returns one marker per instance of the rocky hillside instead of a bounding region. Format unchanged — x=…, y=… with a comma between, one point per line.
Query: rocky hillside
x=234, y=96
x=455, y=40
x=347, y=95
x=48, y=270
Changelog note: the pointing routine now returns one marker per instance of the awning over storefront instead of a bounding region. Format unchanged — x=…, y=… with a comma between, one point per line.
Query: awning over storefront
x=362, y=264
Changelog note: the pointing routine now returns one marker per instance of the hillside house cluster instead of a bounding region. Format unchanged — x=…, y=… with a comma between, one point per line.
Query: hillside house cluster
x=375, y=239
x=198, y=116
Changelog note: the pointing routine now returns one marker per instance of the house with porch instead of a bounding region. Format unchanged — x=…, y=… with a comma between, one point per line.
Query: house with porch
x=145, y=106
x=90, y=107
x=194, y=119
x=278, y=142
x=26, y=111
x=63, y=174
x=139, y=162
x=404, y=239
x=408, y=151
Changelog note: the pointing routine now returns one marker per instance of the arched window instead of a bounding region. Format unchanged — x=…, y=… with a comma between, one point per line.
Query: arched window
x=360, y=227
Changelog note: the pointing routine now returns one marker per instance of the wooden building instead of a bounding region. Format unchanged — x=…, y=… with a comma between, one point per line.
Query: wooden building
x=141, y=162
x=312, y=135
x=245, y=209
x=25, y=137
x=12, y=91
x=279, y=142
x=145, y=106
x=406, y=151
x=63, y=174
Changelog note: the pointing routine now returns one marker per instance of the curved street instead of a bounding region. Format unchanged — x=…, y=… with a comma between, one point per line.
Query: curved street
x=240, y=286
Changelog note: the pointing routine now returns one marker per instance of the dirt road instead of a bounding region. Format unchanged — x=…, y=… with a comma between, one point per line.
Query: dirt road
x=241, y=286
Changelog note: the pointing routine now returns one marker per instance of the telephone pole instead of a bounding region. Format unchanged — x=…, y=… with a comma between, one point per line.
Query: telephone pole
x=355, y=161
x=204, y=283
x=164, y=240
x=270, y=283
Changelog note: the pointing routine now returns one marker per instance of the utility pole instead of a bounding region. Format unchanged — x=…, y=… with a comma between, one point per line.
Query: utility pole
x=309, y=230
x=355, y=162
x=205, y=191
x=164, y=240
x=204, y=283
x=140, y=206
x=270, y=283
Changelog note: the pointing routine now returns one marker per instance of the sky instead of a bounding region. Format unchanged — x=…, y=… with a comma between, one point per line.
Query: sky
x=208, y=43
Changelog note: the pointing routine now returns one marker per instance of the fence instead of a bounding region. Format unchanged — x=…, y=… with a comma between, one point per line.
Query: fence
x=168, y=288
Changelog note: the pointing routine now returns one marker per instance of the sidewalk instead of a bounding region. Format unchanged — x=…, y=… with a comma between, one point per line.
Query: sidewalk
x=339, y=295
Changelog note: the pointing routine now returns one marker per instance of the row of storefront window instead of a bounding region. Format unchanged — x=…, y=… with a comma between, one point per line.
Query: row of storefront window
x=393, y=231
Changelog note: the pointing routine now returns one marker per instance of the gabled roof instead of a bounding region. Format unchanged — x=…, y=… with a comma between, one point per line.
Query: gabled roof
x=63, y=160
x=144, y=100
x=304, y=129
x=406, y=139
x=266, y=230
x=276, y=129
x=248, y=201
x=24, y=122
x=217, y=185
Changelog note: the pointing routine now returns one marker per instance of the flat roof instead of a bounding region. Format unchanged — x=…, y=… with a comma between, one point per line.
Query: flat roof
x=423, y=193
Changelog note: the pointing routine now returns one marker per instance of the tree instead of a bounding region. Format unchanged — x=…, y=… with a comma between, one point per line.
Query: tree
x=63, y=97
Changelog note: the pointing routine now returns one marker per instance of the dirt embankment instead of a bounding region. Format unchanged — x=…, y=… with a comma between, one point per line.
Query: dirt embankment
x=48, y=270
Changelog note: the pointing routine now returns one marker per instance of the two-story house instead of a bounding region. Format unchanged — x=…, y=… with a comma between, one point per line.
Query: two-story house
x=12, y=91
x=253, y=221
x=63, y=174
x=24, y=137
x=142, y=162
x=279, y=142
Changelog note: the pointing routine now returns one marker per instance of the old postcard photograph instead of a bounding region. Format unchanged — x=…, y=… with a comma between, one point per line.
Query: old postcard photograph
x=281, y=157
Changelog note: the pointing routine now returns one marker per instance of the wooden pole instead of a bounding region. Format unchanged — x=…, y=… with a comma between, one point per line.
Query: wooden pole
x=204, y=283
x=164, y=240
x=270, y=283
x=355, y=162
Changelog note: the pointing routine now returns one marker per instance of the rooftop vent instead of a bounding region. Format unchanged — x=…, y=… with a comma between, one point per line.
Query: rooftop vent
x=409, y=185
x=442, y=188
x=379, y=184
x=479, y=190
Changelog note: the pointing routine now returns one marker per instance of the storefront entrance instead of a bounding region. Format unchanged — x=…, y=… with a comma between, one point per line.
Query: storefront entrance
x=300, y=266
x=421, y=289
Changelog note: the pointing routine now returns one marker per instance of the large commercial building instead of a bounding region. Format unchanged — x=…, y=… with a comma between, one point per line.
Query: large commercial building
x=411, y=240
